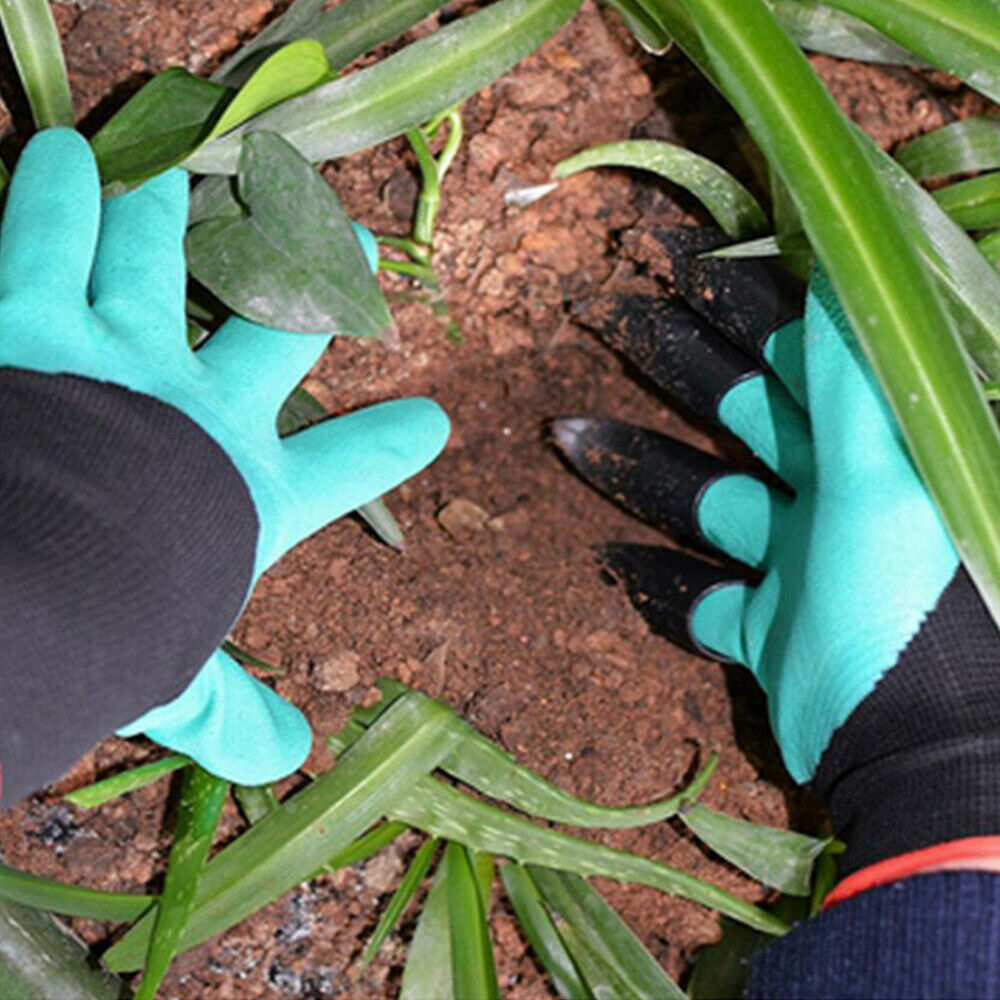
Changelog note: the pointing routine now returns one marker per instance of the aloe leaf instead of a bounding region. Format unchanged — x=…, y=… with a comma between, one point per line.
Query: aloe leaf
x=202, y=799
x=857, y=229
x=970, y=144
x=308, y=829
x=293, y=261
x=41, y=960
x=820, y=28
x=127, y=781
x=442, y=811
x=974, y=203
x=778, y=858
x=730, y=203
x=605, y=933
x=645, y=28
x=539, y=929
x=473, y=971
x=961, y=38
x=402, y=91
x=159, y=127
x=291, y=70
x=70, y=900
x=33, y=41
x=602, y=978
x=401, y=898
x=255, y=801
x=428, y=961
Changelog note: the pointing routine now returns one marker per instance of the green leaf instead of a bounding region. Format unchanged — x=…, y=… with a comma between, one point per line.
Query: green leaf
x=401, y=898
x=989, y=247
x=605, y=933
x=541, y=933
x=33, y=41
x=602, y=978
x=961, y=38
x=293, y=261
x=974, y=203
x=970, y=144
x=778, y=858
x=643, y=24
x=127, y=781
x=255, y=801
x=428, y=961
x=406, y=89
x=473, y=972
x=377, y=838
x=857, y=228
x=308, y=829
x=292, y=70
x=159, y=127
x=379, y=518
x=71, y=900
x=198, y=815
x=730, y=203
x=246, y=659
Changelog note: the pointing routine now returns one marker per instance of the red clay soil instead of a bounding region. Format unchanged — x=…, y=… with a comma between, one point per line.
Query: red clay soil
x=503, y=614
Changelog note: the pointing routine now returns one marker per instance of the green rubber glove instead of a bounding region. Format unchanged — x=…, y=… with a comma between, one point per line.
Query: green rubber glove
x=98, y=290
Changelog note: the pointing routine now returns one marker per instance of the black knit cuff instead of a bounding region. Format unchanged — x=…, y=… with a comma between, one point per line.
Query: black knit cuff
x=127, y=550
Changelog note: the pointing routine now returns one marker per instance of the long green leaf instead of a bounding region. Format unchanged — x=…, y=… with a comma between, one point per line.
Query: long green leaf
x=309, y=828
x=970, y=144
x=646, y=29
x=202, y=799
x=605, y=933
x=368, y=844
x=730, y=203
x=961, y=38
x=778, y=858
x=70, y=900
x=127, y=781
x=989, y=247
x=973, y=204
x=402, y=91
x=602, y=978
x=255, y=801
x=293, y=261
x=541, y=933
x=864, y=244
x=33, y=41
x=473, y=972
x=428, y=961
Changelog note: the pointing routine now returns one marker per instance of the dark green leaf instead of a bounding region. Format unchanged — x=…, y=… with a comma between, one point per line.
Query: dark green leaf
x=648, y=31
x=970, y=144
x=602, y=978
x=972, y=204
x=255, y=801
x=989, y=247
x=299, y=411
x=427, y=972
x=246, y=659
x=473, y=972
x=368, y=844
x=127, y=781
x=70, y=900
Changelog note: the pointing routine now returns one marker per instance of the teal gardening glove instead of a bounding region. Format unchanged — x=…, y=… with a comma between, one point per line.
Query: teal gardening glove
x=97, y=290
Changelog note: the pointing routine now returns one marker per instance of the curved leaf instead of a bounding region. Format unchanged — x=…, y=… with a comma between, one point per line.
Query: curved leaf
x=70, y=900
x=127, y=781
x=974, y=203
x=473, y=971
x=970, y=144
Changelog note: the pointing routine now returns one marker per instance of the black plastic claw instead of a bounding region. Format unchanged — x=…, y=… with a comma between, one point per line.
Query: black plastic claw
x=653, y=476
x=672, y=345
x=746, y=298
x=664, y=585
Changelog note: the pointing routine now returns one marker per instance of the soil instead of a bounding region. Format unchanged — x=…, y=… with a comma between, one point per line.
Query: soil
x=497, y=605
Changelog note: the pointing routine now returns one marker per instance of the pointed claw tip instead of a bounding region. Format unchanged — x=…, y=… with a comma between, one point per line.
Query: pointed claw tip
x=568, y=431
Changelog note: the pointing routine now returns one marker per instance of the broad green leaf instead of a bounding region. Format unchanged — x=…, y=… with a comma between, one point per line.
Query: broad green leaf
x=605, y=933
x=974, y=203
x=255, y=801
x=293, y=261
x=428, y=961
x=970, y=144
x=602, y=978
x=961, y=38
x=309, y=828
x=541, y=933
x=292, y=70
x=41, y=960
x=406, y=89
x=202, y=799
x=646, y=29
x=473, y=971
x=857, y=228
x=159, y=127
x=127, y=781
x=70, y=900
x=401, y=898
x=778, y=858
x=730, y=203
x=33, y=41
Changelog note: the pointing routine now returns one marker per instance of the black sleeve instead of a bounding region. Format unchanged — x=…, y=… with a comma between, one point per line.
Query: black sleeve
x=127, y=542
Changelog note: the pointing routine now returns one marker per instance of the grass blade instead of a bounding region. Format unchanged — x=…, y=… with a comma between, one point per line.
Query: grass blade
x=989, y=247
x=858, y=232
x=201, y=805
x=70, y=900
x=401, y=898
x=539, y=929
x=33, y=41
x=605, y=933
x=473, y=971
x=255, y=801
x=311, y=827
x=730, y=203
x=972, y=204
x=246, y=659
x=127, y=781
x=778, y=858
x=402, y=91
x=428, y=960
x=602, y=978
x=645, y=28
x=379, y=837
x=971, y=144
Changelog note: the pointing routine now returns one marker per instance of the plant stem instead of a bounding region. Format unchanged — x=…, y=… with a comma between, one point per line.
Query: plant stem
x=452, y=143
x=417, y=253
x=430, y=193
x=421, y=272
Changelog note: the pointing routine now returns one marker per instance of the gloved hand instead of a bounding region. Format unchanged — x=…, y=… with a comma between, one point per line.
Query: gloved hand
x=854, y=558
x=97, y=290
